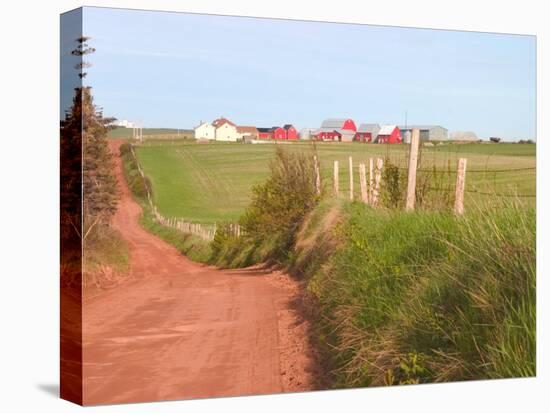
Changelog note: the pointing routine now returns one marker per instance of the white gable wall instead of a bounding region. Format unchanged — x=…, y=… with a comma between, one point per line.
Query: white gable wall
x=227, y=133
x=205, y=131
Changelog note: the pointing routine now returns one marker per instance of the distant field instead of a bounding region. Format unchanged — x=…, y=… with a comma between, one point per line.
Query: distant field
x=126, y=133
x=510, y=149
x=212, y=182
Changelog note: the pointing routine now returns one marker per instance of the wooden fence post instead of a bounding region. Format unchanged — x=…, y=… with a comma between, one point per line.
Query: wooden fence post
x=371, y=180
x=363, y=183
x=350, y=178
x=413, y=160
x=460, y=184
x=377, y=179
x=317, y=175
x=335, y=179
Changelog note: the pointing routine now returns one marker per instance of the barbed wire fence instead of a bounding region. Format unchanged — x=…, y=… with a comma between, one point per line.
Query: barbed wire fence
x=370, y=187
x=369, y=192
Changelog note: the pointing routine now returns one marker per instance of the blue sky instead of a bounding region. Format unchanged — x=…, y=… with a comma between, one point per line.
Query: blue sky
x=174, y=70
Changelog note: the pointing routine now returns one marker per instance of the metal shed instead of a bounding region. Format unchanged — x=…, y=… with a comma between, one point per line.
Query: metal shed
x=427, y=132
x=367, y=132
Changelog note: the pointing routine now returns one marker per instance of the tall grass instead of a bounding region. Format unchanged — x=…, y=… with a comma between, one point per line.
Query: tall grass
x=428, y=297
x=105, y=257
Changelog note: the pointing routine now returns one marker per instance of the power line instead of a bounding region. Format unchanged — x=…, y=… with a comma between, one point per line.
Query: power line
x=475, y=191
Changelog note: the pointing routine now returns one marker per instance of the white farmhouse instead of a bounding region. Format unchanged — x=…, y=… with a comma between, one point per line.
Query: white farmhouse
x=205, y=131
x=226, y=130
x=124, y=124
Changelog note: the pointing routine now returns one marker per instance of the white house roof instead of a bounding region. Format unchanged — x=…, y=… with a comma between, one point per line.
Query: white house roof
x=386, y=129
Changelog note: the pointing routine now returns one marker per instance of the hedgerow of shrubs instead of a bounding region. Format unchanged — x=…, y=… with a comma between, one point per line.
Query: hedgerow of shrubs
x=139, y=185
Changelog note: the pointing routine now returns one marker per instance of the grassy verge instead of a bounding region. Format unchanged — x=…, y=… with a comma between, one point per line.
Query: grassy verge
x=425, y=297
x=105, y=253
x=188, y=244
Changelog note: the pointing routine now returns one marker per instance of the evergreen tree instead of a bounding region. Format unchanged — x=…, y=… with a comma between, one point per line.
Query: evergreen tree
x=84, y=145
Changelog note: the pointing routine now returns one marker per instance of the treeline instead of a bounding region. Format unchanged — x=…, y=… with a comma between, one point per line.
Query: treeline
x=88, y=187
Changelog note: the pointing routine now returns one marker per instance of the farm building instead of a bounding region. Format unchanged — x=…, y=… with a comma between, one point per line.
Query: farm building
x=389, y=134
x=427, y=132
x=367, y=132
x=466, y=136
x=291, y=133
x=248, y=132
x=205, y=131
x=226, y=130
x=278, y=133
x=307, y=133
x=336, y=129
x=124, y=124
x=265, y=133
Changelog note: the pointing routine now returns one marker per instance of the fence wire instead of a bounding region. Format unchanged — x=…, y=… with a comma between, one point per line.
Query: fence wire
x=468, y=171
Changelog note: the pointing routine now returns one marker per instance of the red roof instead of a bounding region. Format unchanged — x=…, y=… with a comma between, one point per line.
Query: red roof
x=244, y=129
x=220, y=121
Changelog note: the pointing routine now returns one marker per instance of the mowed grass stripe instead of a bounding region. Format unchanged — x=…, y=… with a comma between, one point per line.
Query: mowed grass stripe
x=213, y=182
x=200, y=182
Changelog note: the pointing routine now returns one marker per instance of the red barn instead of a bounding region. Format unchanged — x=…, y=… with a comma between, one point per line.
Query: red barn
x=265, y=133
x=337, y=130
x=389, y=134
x=291, y=133
x=278, y=133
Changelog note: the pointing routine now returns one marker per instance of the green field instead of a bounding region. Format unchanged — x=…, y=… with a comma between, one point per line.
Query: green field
x=212, y=182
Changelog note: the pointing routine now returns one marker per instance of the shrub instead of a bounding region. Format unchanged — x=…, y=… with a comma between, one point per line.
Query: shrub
x=434, y=186
x=125, y=149
x=279, y=205
x=394, y=185
x=140, y=186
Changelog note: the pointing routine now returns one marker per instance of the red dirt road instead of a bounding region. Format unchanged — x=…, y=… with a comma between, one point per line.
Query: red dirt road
x=177, y=329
